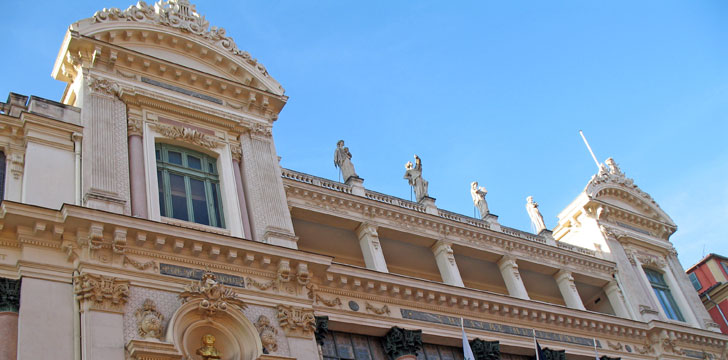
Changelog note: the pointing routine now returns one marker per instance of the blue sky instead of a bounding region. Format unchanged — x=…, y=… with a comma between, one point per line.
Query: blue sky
x=481, y=90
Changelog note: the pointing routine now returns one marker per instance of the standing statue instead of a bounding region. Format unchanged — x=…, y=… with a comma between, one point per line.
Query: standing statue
x=478, y=194
x=414, y=175
x=342, y=160
x=208, y=350
x=535, y=215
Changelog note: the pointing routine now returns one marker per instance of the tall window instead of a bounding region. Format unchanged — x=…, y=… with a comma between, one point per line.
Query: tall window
x=189, y=188
x=696, y=282
x=663, y=294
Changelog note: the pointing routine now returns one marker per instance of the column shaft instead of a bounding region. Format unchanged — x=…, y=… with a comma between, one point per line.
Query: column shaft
x=616, y=299
x=137, y=177
x=566, y=284
x=445, y=259
x=512, y=277
x=371, y=249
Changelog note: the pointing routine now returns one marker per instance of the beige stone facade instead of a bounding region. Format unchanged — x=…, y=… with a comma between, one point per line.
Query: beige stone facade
x=102, y=257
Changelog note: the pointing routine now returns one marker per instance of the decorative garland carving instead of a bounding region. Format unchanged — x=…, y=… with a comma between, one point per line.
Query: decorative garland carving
x=101, y=292
x=296, y=321
x=651, y=261
x=379, y=311
x=213, y=296
x=267, y=334
x=616, y=347
x=104, y=86
x=149, y=321
x=182, y=15
x=330, y=303
x=140, y=265
x=188, y=135
x=261, y=286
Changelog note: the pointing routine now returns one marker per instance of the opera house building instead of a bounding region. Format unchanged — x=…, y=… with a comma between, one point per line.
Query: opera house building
x=145, y=216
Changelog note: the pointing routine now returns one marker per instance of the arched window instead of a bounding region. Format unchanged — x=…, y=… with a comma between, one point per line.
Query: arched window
x=663, y=294
x=189, y=188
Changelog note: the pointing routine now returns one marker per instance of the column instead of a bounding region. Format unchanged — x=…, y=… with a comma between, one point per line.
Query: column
x=616, y=299
x=566, y=284
x=402, y=344
x=445, y=259
x=370, y=247
x=102, y=300
x=237, y=166
x=136, y=165
x=512, y=277
x=9, y=303
x=14, y=166
x=45, y=320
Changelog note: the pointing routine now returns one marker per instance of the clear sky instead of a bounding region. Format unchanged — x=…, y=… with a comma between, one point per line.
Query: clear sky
x=493, y=91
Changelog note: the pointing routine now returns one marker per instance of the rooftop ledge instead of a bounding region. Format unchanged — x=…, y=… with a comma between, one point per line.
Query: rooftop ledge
x=420, y=208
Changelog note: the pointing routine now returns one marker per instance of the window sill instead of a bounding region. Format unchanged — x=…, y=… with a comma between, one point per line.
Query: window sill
x=191, y=225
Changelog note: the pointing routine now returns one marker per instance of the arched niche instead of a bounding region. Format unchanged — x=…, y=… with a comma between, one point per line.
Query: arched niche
x=236, y=337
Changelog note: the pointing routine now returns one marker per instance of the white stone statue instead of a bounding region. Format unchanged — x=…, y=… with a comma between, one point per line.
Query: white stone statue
x=342, y=160
x=613, y=167
x=414, y=175
x=478, y=194
x=535, y=215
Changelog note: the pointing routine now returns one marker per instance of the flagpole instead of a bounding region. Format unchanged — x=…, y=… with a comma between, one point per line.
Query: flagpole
x=535, y=343
x=596, y=354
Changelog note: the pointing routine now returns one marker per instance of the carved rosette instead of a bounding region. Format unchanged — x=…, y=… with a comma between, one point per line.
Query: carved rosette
x=267, y=334
x=149, y=321
x=101, y=292
x=188, y=135
x=296, y=321
x=485, y=350
x=399, y=342
x=213, y=297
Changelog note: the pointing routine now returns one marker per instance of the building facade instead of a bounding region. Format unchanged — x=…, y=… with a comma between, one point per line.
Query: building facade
x=146, y=216
x=710, y=279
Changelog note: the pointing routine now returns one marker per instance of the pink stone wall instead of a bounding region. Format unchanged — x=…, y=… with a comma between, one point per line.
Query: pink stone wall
x=8, y=335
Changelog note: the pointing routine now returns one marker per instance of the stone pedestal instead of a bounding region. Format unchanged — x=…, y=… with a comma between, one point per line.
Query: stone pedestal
x=445, y=259
x=512, y=277
x=567, y=287
x=144, y=349
x=8, y=335
x=429, y=203
x=549, y=236
x=371, y=248
x=492, y=221
x=357, y=185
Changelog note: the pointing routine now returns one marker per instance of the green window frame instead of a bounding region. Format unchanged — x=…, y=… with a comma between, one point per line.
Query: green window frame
x=189, y=185
x=663, y=294
x=696, y=282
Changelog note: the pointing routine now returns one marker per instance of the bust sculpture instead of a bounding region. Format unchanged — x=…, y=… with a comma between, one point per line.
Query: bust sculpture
x=208, y=350
x=342, y=160
x=413, y=174
x=535, y=215
x=478, y=194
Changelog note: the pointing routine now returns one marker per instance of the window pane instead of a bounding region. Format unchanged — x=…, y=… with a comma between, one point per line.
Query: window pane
x=696, y=282
x=174, y=157
x=199, y=201
x=212, y=168
x=162, y=199
x=179, y=196
x=158, y=154
x=194, y=162
x=216, y=204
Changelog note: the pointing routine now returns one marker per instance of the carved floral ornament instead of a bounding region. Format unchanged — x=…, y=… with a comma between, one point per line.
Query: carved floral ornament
x=181, y=15
x=104, y=86
x=149, y=321
x=213, y=297
x=101, y=292
x=296, y=320
x=188, y=135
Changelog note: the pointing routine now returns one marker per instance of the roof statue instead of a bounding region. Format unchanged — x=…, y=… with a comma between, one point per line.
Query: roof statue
x=182, y=16
x=478, y=194
x=413, y=174
x=342, y=160
x=535, y=215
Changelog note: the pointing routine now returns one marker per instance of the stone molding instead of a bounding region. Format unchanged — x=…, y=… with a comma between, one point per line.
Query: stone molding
x=188, y=135
x=400, y=342
x=99, y=292
x=296, y=321
x=152, y=350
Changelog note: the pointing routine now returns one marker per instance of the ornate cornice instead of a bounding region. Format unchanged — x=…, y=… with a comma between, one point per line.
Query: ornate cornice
x=101, y=292
x=182, y=16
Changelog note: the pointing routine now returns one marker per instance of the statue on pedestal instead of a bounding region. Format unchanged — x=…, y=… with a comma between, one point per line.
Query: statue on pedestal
x=535, y=215
x=208, y=350
x=414, y=175
x=478, y=194
x=342, y=160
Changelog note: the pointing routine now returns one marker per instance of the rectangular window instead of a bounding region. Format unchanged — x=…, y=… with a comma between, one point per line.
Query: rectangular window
x=663, y=295
x=188, y=186
x=696, y=282
x=725, y=267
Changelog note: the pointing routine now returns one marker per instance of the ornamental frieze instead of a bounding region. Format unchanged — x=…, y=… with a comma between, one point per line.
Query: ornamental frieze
x=101, y=292
x=188, y=135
